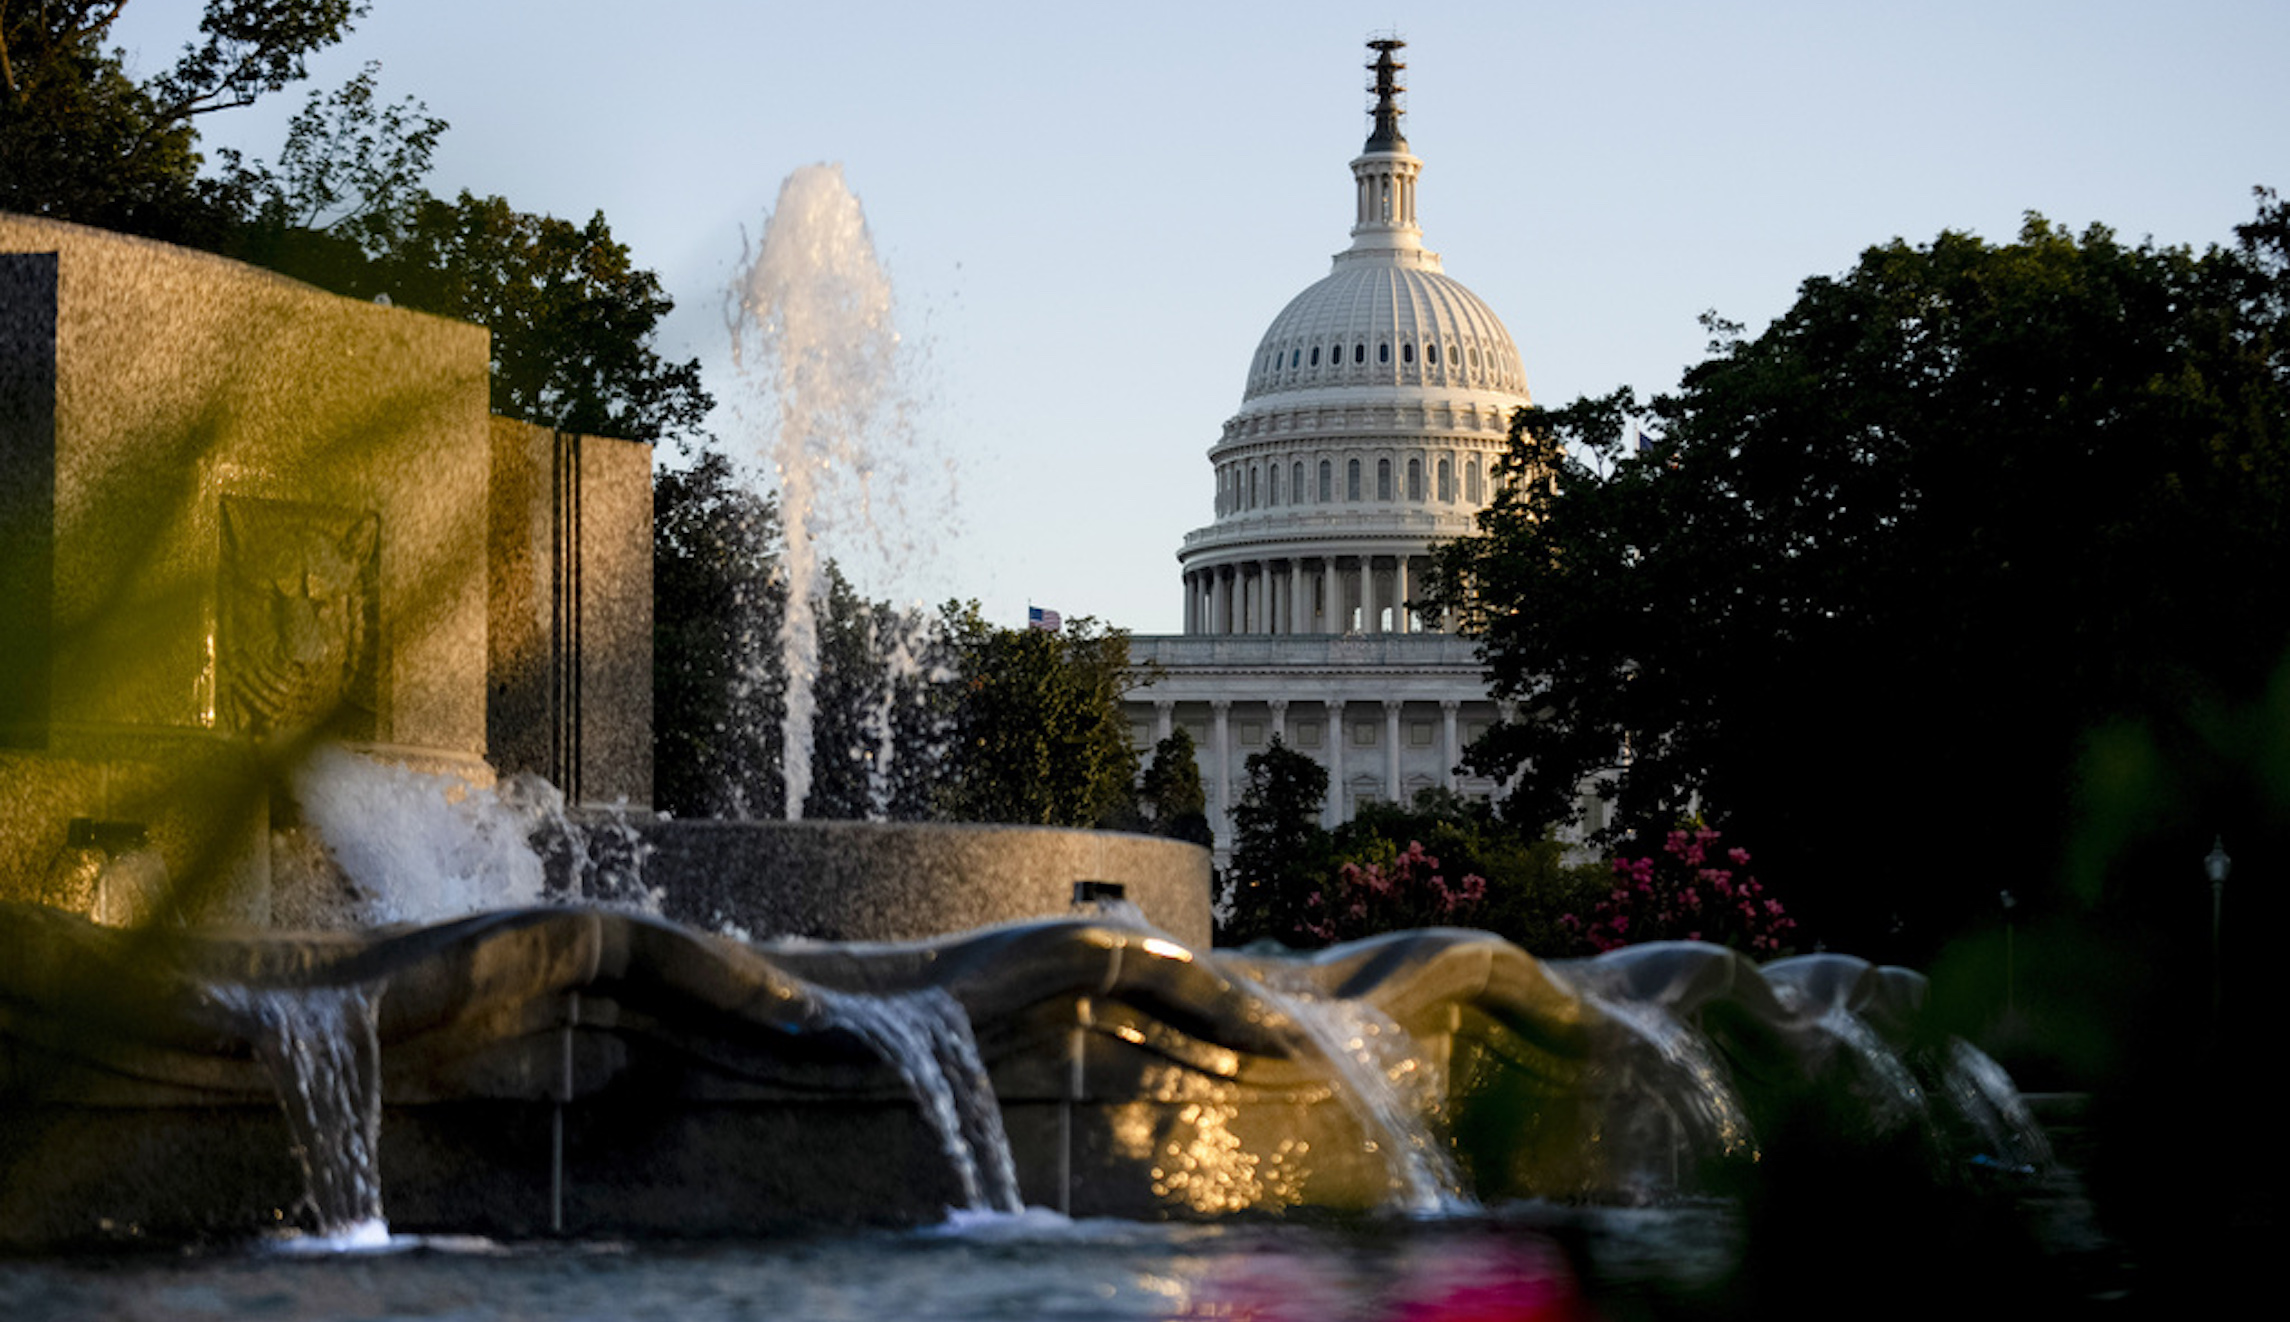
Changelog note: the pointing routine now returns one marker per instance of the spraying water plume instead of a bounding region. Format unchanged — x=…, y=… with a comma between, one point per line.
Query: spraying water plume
x=816, y=352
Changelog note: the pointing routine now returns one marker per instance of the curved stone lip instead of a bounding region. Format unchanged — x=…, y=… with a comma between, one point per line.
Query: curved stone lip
x=895, y=881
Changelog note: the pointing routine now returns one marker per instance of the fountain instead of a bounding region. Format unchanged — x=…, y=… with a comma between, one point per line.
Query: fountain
x=922, y=1035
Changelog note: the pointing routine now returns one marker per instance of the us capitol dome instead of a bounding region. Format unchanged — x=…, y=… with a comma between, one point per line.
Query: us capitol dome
x=1376, y=408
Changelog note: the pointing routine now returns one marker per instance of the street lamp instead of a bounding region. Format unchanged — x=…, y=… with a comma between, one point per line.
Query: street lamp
x=2216, y=864
x=2010, y=902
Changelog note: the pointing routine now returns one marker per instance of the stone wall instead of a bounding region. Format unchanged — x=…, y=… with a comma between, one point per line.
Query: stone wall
x=907, y=881
x=569, y=590
x=232, y=508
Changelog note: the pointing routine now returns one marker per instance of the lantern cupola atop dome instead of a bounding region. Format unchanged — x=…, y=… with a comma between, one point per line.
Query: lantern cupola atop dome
x=1384, y=226
x=1387, y=88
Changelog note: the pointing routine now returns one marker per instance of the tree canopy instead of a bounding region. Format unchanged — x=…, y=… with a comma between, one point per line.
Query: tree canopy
x=1037, y=735
x=344, y=207
x=80, y=140
x=717, y=597
x=1866, y=582
x=1280, y=856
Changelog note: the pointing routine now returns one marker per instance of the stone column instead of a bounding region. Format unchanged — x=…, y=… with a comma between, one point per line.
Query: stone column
x=1452, y=753
x=1219, y=598
x=1190, y=593
x=1369, y=616
x=1220, y=737
x=1391, y=752
x=1164, y=719
x=1279, y=708
x=1298, y=617
x=1399, y=594
x=1329, y=579
x=1332, y=812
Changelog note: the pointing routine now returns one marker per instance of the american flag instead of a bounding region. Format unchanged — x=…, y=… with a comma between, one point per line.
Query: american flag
x=1039, y=618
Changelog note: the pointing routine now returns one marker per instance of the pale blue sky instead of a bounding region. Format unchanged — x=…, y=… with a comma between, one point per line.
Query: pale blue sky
x=1092, y=212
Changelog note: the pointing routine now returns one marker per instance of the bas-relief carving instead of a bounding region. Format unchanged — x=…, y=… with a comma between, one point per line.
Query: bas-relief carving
x=298, y=617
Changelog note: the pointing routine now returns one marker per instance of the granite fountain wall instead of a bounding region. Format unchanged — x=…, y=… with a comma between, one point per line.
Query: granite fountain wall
x=237, y=512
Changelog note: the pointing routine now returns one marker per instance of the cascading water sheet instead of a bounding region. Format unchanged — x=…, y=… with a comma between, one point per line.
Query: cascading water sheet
x=1688, y=1087
x=926, y=1037
x=321, y=1049
x=1380, y=1074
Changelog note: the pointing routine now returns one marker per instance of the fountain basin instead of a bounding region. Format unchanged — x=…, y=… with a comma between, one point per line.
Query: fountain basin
x=910, y=881
x=595, y=1073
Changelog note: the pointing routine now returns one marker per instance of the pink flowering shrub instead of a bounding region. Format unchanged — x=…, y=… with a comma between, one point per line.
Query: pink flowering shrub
x=1694, y=890
x=1384, y=895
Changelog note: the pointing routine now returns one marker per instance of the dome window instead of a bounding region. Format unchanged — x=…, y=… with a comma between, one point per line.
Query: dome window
x=1252, y=488
x=1453, y=358
x=1407, y=351
x=1327, y=482
x=1446, y=481
x=1471, y=481
x=1352, y=479
x=1431, y=353
x=1295, y=358
x=1383, y=353
x=1415, y=479
x=1296, y=483
x=1474, y=352
x=1383, y=479
x=1360, y=352
x=1315, y=355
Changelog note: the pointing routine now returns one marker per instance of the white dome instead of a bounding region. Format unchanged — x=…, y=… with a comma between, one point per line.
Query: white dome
x=1385, y=323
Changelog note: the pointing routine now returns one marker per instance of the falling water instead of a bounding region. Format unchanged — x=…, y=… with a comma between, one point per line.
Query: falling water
x=1388, y=1086
x=1985, y=1096
x=1898, y=1099
x=1694, y=1090
x=812, y=338
x=321, y=1050
x=926, y=1037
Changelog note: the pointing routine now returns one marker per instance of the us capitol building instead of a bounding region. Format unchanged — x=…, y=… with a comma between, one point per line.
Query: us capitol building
x=1377, y=406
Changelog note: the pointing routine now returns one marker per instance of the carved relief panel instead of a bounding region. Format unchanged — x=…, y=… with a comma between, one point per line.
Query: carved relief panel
x=298, y=617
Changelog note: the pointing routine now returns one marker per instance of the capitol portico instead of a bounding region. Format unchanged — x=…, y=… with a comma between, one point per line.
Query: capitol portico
x=1374, y=415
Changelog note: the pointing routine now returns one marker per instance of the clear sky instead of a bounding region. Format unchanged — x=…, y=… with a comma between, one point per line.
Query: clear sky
x=1091, y=212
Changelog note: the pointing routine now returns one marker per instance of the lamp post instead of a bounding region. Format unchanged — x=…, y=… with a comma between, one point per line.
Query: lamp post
x=2010, y=902
x=2216, y=864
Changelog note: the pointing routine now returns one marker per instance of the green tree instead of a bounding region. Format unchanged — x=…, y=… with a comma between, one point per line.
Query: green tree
x=348, y=178
x=1280, y=854
x=1037, y=735
x=82, y=141
x=717, y=690
x=1171, y=797
x=572, y=316
x=878, y=734
x=1889, y=562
